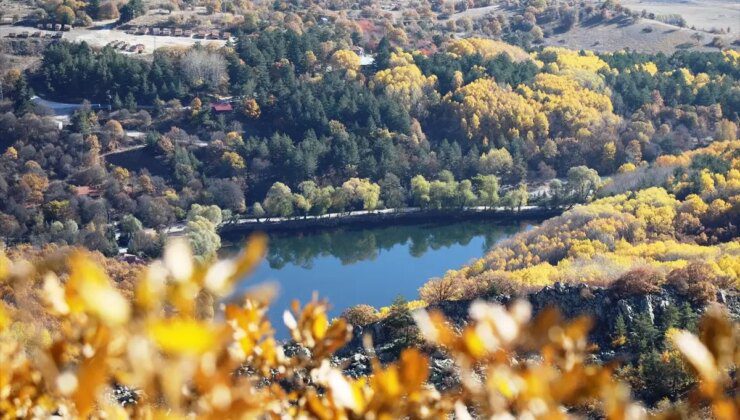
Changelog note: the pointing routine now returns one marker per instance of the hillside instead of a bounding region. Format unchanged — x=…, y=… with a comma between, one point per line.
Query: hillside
x=637, y=239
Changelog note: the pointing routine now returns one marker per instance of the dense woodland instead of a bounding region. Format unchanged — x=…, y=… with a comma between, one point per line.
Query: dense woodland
x=479, y=123
x=679, y=235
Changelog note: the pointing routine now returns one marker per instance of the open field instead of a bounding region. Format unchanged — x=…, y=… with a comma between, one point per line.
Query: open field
x=702, y=14
x=645, y=35
x=102, y=37
x=475, y=12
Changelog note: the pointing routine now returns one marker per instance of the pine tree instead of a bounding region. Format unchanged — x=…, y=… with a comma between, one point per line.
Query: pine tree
x=116, y=102
x=687, y=317
x=23, y=95
x=620, y=327
x=669, y=318
x=645, y=333
x=131, y=102
x=93, y=8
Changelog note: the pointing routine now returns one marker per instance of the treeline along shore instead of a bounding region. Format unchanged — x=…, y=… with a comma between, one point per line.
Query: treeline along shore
x=384, y=217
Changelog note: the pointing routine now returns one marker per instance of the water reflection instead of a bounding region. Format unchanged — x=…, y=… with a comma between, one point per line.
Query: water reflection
x=350, y=266
x=351, y=245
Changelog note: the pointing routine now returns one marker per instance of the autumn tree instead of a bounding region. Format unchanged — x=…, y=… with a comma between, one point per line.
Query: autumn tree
x=487, y=188
x=346, y=60
x=406, y=83
x=420, y=189
x=582, y=182
x=250, y=108
x=279, y=201
x=201, y=230
x=516, y=198
x=361, y=193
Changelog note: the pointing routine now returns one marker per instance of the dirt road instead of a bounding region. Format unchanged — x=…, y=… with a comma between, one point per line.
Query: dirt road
x=102, y=37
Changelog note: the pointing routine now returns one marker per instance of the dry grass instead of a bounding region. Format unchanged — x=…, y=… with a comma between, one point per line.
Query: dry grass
x=702, y=14
x=644, y=36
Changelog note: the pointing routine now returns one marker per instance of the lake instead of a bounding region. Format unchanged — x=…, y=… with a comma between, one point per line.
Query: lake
x=351, y=265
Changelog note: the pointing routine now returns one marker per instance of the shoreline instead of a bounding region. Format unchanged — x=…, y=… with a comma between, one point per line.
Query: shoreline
x=385, y=217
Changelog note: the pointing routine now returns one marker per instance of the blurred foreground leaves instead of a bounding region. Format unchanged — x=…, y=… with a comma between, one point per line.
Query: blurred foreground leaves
x=188, y=355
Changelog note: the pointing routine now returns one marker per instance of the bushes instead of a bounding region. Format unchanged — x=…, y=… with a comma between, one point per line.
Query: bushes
x=637, y=281
x=697, y=281
x=360, y=315
x=438, y=290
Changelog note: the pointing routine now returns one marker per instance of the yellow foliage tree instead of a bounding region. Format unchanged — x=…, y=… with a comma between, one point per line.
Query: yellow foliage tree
x=487, y=110
x=346, y=60
x=406, y=84
x=488, y=48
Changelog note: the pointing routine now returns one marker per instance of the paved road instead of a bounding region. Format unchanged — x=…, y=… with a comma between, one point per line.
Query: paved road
x=60, y=108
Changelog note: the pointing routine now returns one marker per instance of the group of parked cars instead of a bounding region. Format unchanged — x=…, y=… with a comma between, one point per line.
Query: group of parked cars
x=37, y=34
x=46, y=30
x=179, y=32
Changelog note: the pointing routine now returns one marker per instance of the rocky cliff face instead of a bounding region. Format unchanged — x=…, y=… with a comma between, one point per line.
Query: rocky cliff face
x=603, y=305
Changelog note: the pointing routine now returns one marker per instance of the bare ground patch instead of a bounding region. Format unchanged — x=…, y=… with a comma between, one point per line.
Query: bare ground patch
x=645, y=36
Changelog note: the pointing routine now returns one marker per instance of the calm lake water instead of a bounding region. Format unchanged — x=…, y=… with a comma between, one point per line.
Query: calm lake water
x=350, y=266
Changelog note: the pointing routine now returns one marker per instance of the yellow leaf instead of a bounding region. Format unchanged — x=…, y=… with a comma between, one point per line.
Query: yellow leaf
x=89, y=289
x=92, y=375
x=319, y=326
x=178, y=258
x=697, y=354
x=414, y=369
x=253, y=253
x=4, y=317
x=183, y=336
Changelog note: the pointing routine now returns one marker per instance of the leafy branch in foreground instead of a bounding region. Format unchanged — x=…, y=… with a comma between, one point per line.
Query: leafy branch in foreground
x=185, y=358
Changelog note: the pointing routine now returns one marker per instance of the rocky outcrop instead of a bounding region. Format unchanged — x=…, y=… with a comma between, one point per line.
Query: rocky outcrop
x=602, y=304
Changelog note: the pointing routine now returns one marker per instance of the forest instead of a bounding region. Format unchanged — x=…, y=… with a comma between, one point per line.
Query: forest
x=481, y=123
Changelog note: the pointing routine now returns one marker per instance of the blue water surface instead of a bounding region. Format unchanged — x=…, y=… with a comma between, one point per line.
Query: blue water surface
x=351, y=266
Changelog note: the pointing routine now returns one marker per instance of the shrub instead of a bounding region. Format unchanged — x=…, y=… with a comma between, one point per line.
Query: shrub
x=360, y=315
x=697, y=280
x=438, y=290
x=637, y=281
x=109, y=344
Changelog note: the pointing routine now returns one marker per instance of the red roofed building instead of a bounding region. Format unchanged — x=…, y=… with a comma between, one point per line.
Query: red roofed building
x=222, y=107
